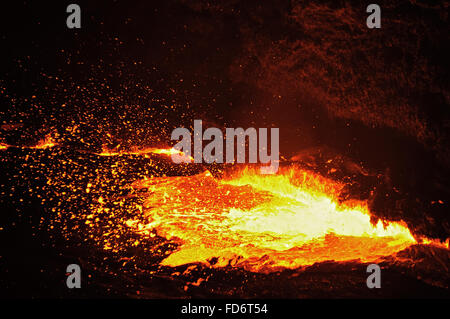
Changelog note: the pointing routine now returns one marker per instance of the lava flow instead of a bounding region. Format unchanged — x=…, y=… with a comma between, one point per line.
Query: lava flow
x=263, y=222
x=145, y=151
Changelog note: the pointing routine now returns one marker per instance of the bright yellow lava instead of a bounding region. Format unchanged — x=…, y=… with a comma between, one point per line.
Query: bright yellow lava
x=263, y=222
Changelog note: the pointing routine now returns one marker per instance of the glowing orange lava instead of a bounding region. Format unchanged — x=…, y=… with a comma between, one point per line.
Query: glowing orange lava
x=145, y=151
x=263, y=222
x=46, y=142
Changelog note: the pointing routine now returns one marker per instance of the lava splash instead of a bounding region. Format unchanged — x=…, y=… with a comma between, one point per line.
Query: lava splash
x=263, y=222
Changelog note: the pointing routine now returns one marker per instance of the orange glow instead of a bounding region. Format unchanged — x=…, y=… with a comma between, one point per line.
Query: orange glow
x=145, y=151
x=436, y=242
x=46, y=142
x=263, y=222
x=170, y=152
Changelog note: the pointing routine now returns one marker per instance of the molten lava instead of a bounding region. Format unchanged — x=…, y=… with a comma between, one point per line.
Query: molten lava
x=46, y=142
x=145, y=151
x=263, y=222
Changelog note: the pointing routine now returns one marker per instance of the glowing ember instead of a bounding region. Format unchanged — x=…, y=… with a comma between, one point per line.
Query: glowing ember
x=46, y=142
x=263, y=222
x=172, y=151
x=145, y=151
